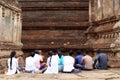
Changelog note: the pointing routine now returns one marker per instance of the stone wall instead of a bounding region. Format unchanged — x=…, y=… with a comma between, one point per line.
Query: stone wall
x=51, y=24
x=104, y=28
x=58, y=38
x=10, y=30
x=101, y=9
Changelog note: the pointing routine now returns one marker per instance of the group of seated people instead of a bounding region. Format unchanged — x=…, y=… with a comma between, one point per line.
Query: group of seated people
x=85, y=62
x=57, y=62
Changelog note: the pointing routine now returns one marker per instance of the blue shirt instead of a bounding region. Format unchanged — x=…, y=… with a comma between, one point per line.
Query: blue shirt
x=78, y=59
x=61, y=60
x=102, y=60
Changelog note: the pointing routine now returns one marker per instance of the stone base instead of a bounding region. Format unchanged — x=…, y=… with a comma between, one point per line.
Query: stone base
x=114, y=63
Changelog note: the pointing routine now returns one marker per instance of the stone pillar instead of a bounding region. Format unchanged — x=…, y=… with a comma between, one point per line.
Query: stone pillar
x=10, y=31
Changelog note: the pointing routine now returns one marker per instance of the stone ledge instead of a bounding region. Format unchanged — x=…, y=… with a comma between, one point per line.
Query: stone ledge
x=114, y=63
x=6, y=53
x=10, y=45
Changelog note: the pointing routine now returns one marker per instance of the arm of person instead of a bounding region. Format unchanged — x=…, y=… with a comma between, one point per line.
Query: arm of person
x=17, y=63
x=95, y=61
x=82, y=61
x=107, y=58
x=48, y=59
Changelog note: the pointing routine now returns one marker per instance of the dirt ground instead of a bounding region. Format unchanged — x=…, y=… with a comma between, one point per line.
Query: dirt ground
x=111, y=74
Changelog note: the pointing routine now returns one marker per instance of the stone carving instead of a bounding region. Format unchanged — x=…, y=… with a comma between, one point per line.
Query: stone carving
x=108, y=29
x=11, y=2
x=10, y=30
x=116, y=44
x=117, y=25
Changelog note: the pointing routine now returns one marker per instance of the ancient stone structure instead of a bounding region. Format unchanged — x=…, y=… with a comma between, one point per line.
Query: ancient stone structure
x=104, y=30
x=51, y=24
x=10, y=30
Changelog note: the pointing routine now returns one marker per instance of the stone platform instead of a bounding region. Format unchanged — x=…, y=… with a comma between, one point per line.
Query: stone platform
x=111, y=74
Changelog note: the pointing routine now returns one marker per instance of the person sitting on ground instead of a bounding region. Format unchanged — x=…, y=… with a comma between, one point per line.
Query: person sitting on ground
x=12, y=64
x=52, y=63
x=37, y=58
x=68, y=63
x=30, y=64
x=78, y=59
x=101, y=60
x=42, y=62
x=87, y=60
x=61, y=58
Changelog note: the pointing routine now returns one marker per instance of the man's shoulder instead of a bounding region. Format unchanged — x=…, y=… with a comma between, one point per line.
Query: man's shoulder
x=80, y=55
x=87, y=56
x=103, y=54
x=37, y=55
x=29, y=57
x=68, y=57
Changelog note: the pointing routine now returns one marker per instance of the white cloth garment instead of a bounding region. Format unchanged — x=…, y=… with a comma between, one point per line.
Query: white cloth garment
x=30, y=64
x=14, y=66
x=68, y=64
x=52, y=65
x=37, y=59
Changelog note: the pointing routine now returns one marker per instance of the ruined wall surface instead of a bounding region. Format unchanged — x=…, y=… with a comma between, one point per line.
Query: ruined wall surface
x=101, y=9
x=46, y=37
x=104, y=30
x=56, y=22
x=10, y=30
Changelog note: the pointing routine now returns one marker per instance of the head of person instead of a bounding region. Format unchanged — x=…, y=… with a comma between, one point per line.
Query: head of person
x=36, y=51
x=79, y=52
x=99, y=51
x=87, y=51
x=71, y=52
x=59, y=52
x=50, y=53
x=40, y=52
x=13, y=54
x=32, y=54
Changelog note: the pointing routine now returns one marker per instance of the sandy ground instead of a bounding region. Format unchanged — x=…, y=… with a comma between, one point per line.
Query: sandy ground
x=111, y=74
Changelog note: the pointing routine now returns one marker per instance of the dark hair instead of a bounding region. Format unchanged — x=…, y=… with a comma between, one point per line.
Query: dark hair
x=36, y=52
x=50, y=53
x=32, y=54
x=99, y=51
x=13, y=53
x=87, y=51
x=59, y=52
x=71, y=52
x=79, y=52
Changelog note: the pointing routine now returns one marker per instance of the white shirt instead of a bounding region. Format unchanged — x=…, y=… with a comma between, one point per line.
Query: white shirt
x=14, y=66
x=53, y=65
x=30, y=64
x=37, y=59
x=68, y=63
